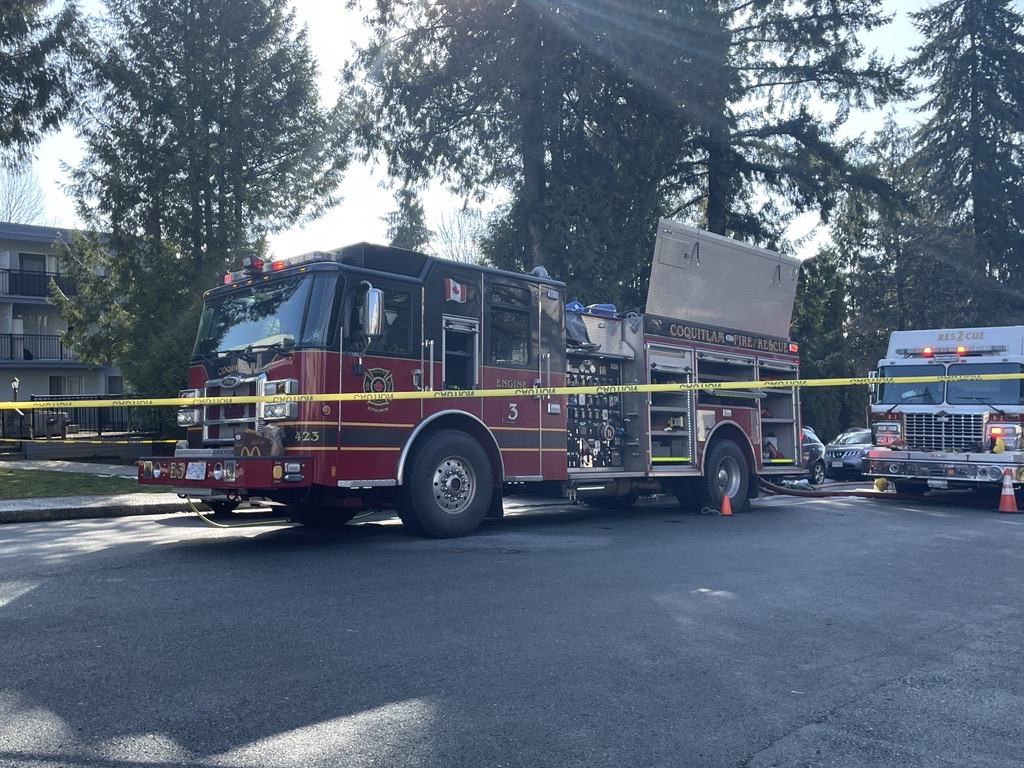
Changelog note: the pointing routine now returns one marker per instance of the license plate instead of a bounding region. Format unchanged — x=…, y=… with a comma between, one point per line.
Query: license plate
x=837, y=464
x=196, y=470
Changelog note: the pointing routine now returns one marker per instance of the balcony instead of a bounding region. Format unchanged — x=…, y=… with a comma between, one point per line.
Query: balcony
x=15, y=282
x=27, y=346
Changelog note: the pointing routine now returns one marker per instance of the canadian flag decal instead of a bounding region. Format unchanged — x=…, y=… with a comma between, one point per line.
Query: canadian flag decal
x=454, y=291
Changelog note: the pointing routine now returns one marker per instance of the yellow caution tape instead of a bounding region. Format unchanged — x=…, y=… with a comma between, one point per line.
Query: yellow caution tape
x=77, y=441
x=451, y=394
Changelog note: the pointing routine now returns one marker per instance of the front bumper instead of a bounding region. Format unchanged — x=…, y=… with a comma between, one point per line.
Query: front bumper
x=943, y=470
x=213, y=473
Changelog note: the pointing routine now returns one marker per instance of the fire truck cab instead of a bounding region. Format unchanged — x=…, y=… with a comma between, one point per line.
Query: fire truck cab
x=962, y=433
x=390, y=378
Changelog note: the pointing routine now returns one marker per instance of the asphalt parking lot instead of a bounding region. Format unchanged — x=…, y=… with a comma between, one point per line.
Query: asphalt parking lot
x=808, y=632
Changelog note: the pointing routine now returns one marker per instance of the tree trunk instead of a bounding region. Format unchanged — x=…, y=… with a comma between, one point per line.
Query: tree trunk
x=532, y=147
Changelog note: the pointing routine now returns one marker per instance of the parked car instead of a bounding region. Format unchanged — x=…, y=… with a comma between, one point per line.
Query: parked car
x=844, y=456
x=813, y=452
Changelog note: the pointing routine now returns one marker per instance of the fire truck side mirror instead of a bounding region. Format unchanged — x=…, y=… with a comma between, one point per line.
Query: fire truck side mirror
x=373, y=314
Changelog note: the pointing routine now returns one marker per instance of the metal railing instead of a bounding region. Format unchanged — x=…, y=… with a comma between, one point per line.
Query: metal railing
x=117, y=419
x=30, y=346
x=16, y=282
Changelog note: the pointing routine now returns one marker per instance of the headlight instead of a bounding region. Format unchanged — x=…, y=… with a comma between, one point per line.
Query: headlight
x=286, y=409
x=278, y=411
x=281, y=387
x=887, y=432
x=189, y=417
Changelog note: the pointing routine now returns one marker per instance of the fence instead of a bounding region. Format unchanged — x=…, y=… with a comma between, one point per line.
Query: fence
x=95, y=420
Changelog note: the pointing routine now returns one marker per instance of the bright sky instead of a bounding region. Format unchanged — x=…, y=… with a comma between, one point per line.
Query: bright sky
x=358, y=217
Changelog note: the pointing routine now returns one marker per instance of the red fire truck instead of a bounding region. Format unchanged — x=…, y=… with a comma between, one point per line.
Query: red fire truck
x=425, y=344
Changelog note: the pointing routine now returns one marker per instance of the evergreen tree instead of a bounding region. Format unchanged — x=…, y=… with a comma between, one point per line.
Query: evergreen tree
x=970, y=149
x=207, y=133
x=37, y=67
x=407, y=225
x=542, y=98
x=820, y=319
x=762, y=154
x=600, y=117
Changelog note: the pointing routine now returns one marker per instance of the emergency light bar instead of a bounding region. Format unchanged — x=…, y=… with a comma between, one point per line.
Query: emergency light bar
x=254, y=265
x=960, y=350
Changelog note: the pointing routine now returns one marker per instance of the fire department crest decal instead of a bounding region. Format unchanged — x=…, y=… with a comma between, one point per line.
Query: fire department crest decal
x=378, y=381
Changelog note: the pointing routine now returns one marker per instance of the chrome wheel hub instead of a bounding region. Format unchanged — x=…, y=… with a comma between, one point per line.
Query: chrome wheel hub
x=454, y=485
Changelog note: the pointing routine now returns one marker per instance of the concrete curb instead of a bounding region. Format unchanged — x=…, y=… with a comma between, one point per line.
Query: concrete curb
x=86, y=507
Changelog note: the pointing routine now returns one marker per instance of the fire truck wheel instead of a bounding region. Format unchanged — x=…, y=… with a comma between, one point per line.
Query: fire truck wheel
x=447, y=487
x=725, y=473
x=221, y=507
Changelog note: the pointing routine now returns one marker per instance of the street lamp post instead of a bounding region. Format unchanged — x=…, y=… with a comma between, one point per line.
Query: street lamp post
x=15, y=382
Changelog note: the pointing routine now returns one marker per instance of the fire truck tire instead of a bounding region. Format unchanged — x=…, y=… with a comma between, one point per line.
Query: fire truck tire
x=447, y=489
x=725, y=473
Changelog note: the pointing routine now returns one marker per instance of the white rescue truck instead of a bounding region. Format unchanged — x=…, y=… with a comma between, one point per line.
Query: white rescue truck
x=964, y=432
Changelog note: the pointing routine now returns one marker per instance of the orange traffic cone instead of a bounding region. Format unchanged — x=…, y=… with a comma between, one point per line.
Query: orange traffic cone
x=726, y=509
x=1007, y=499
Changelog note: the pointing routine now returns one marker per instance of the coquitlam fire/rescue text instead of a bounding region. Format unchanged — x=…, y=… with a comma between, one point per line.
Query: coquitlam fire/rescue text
x=697, y=333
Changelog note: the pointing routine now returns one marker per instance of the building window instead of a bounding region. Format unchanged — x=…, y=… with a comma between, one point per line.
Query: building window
x=33, y=262
x=67, y=385
x=31, y=279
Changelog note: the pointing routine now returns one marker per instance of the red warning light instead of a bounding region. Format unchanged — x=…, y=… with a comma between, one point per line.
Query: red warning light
x=961, y=350
x=927, y=351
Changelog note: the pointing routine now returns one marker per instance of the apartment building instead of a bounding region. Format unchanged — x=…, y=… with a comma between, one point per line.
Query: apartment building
x=31, y=351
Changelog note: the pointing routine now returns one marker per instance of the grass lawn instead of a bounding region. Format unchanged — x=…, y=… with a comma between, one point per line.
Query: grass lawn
x=34, y=483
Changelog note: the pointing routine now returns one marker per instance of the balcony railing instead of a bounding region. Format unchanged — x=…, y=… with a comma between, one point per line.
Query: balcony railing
x=15, y=282
x=28, y=346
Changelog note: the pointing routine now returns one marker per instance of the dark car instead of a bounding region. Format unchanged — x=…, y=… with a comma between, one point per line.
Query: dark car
x=813, y=452
x=844, y=456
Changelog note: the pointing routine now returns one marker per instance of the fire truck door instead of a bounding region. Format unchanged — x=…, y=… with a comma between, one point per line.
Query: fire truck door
x=457, y=363
x=513, y=365
x=373, y=431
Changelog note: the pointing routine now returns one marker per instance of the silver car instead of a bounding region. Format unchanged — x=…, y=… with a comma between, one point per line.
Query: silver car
x=844, y=456
x=813, y=452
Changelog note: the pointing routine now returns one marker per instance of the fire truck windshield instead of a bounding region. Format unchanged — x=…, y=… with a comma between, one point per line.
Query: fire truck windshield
x=996, y=391
x=899, y=393
x=269, y=314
